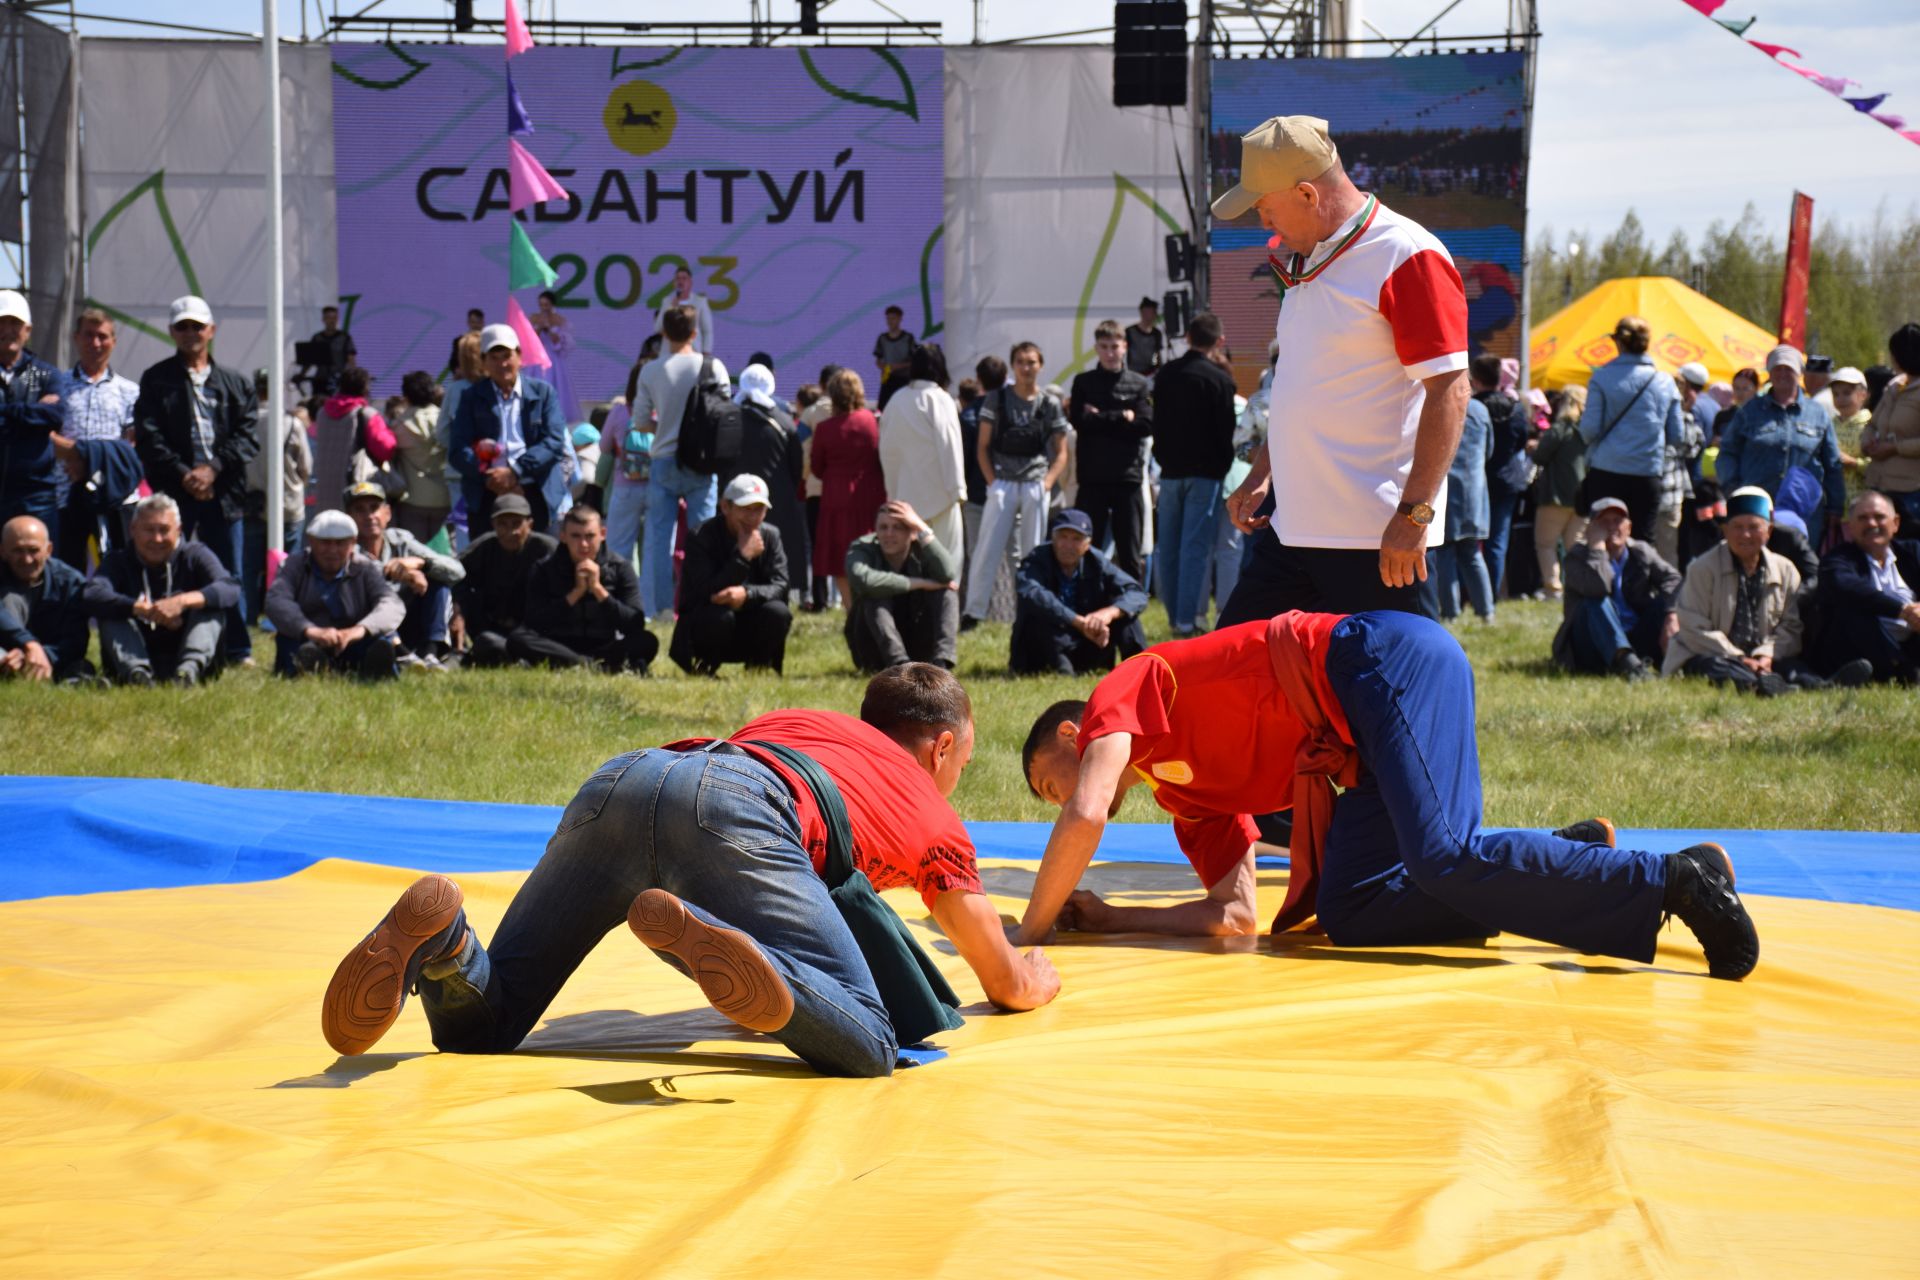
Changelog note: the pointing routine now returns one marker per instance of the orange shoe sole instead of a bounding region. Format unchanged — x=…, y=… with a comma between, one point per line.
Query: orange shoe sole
x=370, y=986
x=734, y=974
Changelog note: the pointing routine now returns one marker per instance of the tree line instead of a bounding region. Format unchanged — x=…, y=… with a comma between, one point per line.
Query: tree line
x=1863, y=280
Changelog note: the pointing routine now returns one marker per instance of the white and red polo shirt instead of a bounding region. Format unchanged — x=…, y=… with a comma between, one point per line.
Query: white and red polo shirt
x=1357, y=335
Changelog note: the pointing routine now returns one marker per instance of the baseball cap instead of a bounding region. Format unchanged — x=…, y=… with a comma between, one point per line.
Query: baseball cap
x=1786, y=355
x=1695, y=373
x=498, y=335
x=333, y=524
x=1071, y=518
x=1280, y=152
x=748, y=490
x=1606, y=504
x=189, y=308
x=1850, y=374
x=362, y=489
x=511, y=504
x=13, y=304
x=1750, y=500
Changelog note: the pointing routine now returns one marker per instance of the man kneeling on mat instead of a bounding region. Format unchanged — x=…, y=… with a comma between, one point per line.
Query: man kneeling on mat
x=713, y=851
x=1269, y=715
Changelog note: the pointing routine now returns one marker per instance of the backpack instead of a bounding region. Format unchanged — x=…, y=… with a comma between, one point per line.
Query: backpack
x=710, y=427
x=1014, y=441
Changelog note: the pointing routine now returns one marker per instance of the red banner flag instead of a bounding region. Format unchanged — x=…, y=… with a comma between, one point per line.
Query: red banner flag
x=1793, y=288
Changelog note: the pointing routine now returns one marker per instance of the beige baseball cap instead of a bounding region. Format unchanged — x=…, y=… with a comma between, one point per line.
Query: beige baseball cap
x=1278, y=154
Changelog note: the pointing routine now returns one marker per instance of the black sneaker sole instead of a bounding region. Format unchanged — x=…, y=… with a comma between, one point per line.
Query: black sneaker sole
x=1747, y=956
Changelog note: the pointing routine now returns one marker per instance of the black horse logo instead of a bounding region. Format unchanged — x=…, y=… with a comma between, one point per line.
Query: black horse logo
x=632, y=118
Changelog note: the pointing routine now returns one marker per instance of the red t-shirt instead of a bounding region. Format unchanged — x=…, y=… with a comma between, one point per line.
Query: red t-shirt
x=1213, y=735
x=904, y=831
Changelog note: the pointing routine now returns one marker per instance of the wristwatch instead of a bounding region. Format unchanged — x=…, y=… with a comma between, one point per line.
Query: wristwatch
x=1419, y=513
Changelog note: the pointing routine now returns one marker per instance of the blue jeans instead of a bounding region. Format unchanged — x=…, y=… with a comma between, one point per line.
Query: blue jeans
x=1183, y=545
x=669, y=484
x=626, y=509
x=429, y=618
x=1502, y=502
x=715, y=828
x=204, y=522
x=1458, y=564
x=1407, y=862
x=1594, y=629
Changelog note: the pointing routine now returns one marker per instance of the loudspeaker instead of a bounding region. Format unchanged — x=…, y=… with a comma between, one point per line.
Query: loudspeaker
x=1179, y=256
x=1176, y=311
x=463, y=15
x=1150, y=53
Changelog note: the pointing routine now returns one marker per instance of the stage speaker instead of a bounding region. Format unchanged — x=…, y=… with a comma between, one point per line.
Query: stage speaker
x=1176, y=311
x=1179, y=256
x=463, y=15
x=1150, y=53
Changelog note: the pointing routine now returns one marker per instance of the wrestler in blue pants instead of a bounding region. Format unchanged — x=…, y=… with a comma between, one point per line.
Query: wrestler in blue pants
x=1407, y=861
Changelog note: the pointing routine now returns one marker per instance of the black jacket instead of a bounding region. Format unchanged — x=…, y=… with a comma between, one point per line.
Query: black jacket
x=1111, y=450
x=56, y=617
x=1846, y=580
x=1512, y=423
x=1099, y=585
x=713, y=563
x=493, y=595
x=589, y=621
x=123, y=579
x=28, y=470
x=163, y=431
x=1193, y=407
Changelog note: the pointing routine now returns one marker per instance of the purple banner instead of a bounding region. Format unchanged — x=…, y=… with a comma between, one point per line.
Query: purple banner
x=802, y=188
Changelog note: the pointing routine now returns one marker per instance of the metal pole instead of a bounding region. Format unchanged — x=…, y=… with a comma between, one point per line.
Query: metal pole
x=1526, y=151
x=273, y=432
x=1201, y=107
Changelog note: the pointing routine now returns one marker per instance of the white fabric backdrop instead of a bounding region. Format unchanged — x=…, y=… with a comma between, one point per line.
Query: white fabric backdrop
x=1036, y=155
x=195, y=112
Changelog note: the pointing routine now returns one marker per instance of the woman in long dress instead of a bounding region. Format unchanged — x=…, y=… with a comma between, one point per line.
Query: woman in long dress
x=920, y=455
x=846, y=458
x=558, y=337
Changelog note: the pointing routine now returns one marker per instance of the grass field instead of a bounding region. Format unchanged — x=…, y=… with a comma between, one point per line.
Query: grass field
x=1553, y=748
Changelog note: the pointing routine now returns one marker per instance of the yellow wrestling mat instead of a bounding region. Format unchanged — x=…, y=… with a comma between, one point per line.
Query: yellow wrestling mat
x=1185, y=1109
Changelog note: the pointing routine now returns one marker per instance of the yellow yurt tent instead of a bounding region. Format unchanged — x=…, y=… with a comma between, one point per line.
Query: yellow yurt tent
x=1567, y=347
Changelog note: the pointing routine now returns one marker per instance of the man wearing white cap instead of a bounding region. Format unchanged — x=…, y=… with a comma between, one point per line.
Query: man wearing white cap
x=332, y=608
x=196, y=426
x=733, y=587
x=507, y=434
x=1780, y=430
x=31, y=413
x=1369, y=392
x=1850, y=419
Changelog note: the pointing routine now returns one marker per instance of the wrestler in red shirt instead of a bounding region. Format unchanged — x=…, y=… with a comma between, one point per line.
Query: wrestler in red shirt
x=712, y=852
x=1269, y=715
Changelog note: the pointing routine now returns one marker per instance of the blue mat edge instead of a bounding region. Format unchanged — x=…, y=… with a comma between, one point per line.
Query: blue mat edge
x=141, y=833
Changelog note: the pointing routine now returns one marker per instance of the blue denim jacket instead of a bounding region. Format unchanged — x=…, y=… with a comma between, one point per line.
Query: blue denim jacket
x=1469, y=508
x=1765, y=438
x=1635, y=444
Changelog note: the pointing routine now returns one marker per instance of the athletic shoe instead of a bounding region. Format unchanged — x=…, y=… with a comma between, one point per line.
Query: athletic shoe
x=137, y=678
x=370, y=987
x=1700, y=891
x=1589, y=831
x=968, y=622
x=186, y=675
x=1772, y=686
x=1628, y=666
x=1853, y=674
x=734, y=974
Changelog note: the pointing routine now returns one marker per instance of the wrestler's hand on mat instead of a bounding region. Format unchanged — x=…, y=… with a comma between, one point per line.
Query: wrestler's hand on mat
x=1085, y=912
x=1403, y=552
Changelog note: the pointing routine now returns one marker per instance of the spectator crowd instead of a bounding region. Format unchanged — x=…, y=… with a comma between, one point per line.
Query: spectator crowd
x=1748, y=533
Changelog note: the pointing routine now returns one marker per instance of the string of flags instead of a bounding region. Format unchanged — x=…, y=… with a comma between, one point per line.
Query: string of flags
x=528, y=183
x=1866, y=104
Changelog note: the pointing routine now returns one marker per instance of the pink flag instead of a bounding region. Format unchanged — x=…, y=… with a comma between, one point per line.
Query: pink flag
x=533, y=352
x=528, y=182
x=1704, y=6
x=519, y=40
x=1911, y=135
x=1893, y=122
x=1773, y=50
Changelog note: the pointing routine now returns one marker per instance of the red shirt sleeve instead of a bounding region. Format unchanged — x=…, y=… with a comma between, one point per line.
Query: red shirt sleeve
x=1131, y=699
x=1426, y=306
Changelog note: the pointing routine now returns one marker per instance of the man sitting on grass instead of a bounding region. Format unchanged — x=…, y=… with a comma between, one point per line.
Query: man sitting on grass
x=583, y=606
x=331, y=607
x=43, y=628
x=1870, y=596
x=733, y=587
x=1618, y=604
x=712, y=852
x=161, y=603
x=1268, y=716
x=492, y=592
x=423, y=578
x=905, y=594
x=1077, y=608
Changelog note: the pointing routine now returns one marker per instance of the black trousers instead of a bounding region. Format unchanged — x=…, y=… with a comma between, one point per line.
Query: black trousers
x=369, y=658
x=914, y=626
x=1640, y=493
x=1275, y=578
x=633, y=649
x=489, y=649
x=1042, y=645
x=710, y=635
x=1850, y=633
x=1118, y=509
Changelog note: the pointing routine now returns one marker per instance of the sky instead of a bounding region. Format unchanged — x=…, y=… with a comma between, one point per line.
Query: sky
x=1640, y=104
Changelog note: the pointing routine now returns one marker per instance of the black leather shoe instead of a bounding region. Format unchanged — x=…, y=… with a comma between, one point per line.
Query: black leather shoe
x=1700, y=891
x=1589, y=831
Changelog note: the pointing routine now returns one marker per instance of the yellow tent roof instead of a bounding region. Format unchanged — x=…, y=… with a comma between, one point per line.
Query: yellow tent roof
x=1566, y=348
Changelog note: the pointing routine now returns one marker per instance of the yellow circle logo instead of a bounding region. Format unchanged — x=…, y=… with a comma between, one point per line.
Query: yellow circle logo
x=639, y=117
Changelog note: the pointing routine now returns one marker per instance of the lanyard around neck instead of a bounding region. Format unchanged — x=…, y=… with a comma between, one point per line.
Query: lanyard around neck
x=1292, y=275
